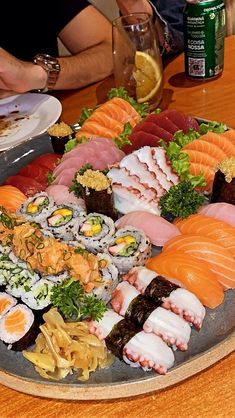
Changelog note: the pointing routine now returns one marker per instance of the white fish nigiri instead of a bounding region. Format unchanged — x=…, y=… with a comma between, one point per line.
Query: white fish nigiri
x=222, y=211
x=158, y=229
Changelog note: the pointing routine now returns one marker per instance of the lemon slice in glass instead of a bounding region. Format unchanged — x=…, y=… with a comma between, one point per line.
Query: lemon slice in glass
x=148, y=76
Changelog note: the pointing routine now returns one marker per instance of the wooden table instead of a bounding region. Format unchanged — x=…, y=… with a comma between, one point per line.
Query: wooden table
x=210, y=393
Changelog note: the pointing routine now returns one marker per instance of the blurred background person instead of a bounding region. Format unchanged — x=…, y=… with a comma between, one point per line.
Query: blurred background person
x=30, y=28
x=168, y=18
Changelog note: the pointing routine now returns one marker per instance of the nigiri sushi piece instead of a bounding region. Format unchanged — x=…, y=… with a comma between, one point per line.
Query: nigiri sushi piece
x=191, y=273
x=11, y=197
x=158, y=288
x=62, y=195
x=222, y=211
x=148, y=351
x=104, y=326
x=158, y=229
x=173, y=329
x=220, y=231
x=122, y=297
x=218, y=259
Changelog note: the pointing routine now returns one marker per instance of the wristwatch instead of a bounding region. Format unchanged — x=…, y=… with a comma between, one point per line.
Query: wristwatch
x=52, y=66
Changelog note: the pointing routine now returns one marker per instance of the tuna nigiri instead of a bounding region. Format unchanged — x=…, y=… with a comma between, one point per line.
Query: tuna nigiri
x=191, y=273
x=218, y=259
x=222, y=211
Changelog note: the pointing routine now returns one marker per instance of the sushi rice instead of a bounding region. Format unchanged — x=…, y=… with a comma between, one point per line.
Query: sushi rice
x=60, y=221
x=37, y=207
x=6, y=303
x=128, y=248
x=9, y=336
x=109, y=274
x=39, y=296
x=94, y=231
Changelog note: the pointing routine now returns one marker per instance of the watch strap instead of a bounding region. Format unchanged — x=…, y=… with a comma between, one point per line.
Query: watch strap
x=52, y=66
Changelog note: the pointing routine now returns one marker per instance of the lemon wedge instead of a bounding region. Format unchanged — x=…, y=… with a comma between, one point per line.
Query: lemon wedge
x=148, y=76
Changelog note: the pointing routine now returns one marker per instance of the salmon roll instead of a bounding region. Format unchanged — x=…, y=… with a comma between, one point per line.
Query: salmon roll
x=6, y=303
x=18, y=328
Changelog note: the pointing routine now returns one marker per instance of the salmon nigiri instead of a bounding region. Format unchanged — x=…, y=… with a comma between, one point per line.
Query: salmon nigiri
x=220, y=231
x=191, y=273
x=11, y=197
x=218, y=259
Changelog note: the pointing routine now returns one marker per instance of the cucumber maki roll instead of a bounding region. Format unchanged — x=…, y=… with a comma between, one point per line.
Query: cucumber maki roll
x=36, y=207
x=129, y=247
x=21, y=280
x=94, y=231
x=60, y=221
x=109, y=273
x=39, y=296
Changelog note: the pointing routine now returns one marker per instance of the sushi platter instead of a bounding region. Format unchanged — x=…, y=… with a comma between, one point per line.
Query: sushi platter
x=212, y=342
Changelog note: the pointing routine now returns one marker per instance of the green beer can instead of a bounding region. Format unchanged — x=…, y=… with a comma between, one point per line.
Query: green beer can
x=204, y=32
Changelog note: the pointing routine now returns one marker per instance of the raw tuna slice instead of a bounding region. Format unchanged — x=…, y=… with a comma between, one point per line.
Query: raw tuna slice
x=156, y=228
x=26, y=185
x=140, y=139
x=164, y=122
x=183, y=121
x=49, y=160
x=153, y=128
x=37, y=172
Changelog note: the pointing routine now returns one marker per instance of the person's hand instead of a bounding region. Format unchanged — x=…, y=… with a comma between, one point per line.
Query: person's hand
x=18, y=76
x=134, y=6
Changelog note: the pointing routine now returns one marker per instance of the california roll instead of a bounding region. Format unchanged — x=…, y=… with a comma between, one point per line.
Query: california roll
x=36, y=207
x=60, y=221
x=129, y=247
x=94, y=231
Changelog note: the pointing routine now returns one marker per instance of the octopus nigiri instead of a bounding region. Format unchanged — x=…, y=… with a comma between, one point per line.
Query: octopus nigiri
x=173, y=297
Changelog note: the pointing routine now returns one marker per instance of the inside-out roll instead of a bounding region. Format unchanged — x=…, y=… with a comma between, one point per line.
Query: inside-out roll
x=94, y=231
x=37, y=207
x=129, y=247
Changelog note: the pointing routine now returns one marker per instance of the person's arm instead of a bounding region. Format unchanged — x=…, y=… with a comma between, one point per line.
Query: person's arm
x=88, y=38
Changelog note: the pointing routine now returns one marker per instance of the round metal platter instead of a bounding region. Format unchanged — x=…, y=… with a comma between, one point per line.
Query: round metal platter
x=214, y=341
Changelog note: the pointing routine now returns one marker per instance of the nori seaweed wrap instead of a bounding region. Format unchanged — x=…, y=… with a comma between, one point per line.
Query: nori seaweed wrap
x=159, y=288
x=139, y=310
x=223, y=189
x=121, y=333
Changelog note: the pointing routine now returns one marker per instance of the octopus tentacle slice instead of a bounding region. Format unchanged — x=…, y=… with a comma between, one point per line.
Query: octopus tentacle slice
x=173, y=329
x=148, y=351
x=186, y=304
x=122, y=297
x=103, y=327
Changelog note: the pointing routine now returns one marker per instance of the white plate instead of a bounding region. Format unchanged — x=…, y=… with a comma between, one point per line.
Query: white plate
x=27, y=115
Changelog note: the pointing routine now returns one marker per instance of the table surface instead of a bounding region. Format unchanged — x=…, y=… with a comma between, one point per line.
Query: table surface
x=211, y=392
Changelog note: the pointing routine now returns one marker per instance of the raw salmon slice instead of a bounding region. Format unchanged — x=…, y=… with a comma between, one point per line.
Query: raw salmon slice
x=196, y=169
x=123, y=104
x=107, y=121
x=11, y=197
x=206, y=147
x=218, y=259
x=201, y=158
x=193, y=274
x=215, y=229
x=118, y=113
x=230, y=134
x=98, y=129
x=15, y=322
x=222, y=142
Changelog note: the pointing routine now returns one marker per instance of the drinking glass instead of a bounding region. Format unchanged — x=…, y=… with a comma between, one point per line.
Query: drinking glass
x=137, y=60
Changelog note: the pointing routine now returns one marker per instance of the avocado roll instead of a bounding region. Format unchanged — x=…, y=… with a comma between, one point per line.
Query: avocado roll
x=94, y=231
x=36, y=207
x=129, y=247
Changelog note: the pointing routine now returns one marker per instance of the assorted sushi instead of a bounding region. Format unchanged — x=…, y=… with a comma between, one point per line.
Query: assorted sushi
x=68, y=243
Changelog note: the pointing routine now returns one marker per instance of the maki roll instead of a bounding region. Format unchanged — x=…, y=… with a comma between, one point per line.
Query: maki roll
x=39, y=296
x=109, y=275
x=95, y=188
x=21, y=279
x=223, y=189
x=129, y=247
x=6, y=303
x=18, y=328
x=94, y=231
x=36, y=207
x=60, y=134
x=60, y=221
